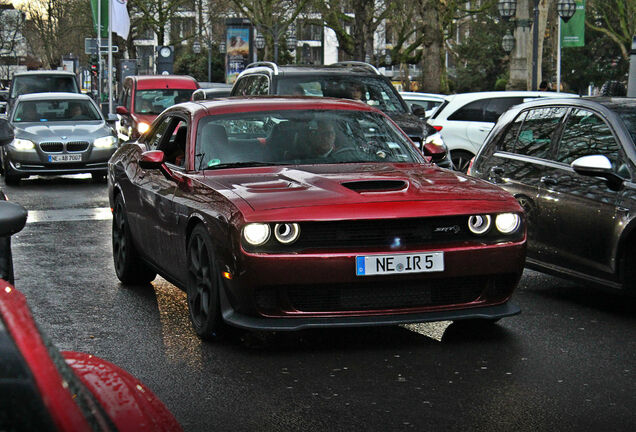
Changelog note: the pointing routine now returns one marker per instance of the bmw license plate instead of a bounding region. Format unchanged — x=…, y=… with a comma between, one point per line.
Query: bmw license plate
x=399, y=263
x=65, y=158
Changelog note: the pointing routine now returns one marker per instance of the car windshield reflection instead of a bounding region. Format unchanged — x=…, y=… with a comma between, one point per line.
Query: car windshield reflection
x=296, y=138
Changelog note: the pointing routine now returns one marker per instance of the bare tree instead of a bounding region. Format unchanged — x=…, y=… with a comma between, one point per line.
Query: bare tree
x=57, y=27
x=155, y=15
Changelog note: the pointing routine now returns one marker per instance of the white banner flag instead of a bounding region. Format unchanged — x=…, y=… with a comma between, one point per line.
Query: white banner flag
x=121, y=20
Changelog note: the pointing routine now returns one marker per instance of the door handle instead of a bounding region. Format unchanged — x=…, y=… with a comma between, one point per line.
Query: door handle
x=549, y=181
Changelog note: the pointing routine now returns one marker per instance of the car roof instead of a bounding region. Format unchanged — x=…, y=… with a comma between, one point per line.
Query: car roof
x=341, y=68
x=599, y=103
x=461, y=97
x=44, y=72
x=271, y=103
x=615, y=103
x=415, y=95
x=52, y=95
x=148, y=82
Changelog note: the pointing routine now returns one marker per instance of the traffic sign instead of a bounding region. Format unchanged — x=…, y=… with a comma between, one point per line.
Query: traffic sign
x=90, y=46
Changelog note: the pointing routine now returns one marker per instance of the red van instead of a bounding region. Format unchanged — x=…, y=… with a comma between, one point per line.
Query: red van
x=145, y=96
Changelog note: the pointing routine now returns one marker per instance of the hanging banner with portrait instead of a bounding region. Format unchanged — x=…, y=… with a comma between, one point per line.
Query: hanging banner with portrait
x=237, y=42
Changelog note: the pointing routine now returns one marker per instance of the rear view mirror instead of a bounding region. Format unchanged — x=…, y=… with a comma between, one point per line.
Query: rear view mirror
x=6, y=132
x=12, y=218
x=418, y=110
x=598, y=166
x=152, y=159
x=122, y=110
x=111, y=119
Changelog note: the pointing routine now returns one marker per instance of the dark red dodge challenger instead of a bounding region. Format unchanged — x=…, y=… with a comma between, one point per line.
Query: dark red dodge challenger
x=292, y=213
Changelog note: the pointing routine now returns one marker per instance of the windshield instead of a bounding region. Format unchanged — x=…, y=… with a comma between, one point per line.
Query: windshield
x=42, y=84
x=629, y=118
x=155, y=101
x=56, y=111
x=300, y=137
x=373, y=91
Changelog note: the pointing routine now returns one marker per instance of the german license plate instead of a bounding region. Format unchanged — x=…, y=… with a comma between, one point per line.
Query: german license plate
x=65, y=158
x=370, y=265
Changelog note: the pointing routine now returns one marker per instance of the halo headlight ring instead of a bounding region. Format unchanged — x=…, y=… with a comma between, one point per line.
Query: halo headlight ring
x=286, y=233
x=479, y=224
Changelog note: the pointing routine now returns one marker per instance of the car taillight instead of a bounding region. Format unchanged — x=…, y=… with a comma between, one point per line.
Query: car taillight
x=437, y=128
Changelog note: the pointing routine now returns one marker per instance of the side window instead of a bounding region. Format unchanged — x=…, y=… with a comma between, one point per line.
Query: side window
x=174, y=146
x=241, y=86
x=536, y=132
x=259, y=85
x=509, y=140
x=128, y=99
x=585, y=134
x=497, y=106
x=473, y=111
x=154, y=139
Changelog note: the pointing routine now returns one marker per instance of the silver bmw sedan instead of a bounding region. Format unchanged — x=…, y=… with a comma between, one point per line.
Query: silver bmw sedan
x=57, y=133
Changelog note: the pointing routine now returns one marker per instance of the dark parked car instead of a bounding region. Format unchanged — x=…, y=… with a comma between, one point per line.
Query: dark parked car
x=349, y=80
x=571, y=163
x=291, y=213
x=57, y=133
x=43, y=389
x=41, y=81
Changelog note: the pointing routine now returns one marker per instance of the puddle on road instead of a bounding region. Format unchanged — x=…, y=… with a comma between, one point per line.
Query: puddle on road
x=66, y=215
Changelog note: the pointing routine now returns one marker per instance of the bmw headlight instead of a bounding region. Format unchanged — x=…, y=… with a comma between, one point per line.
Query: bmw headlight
x=286, y=233
x=479, y=224
x=507, y=223
x=256, y=234
x=105, y=142
x=23, y=145
x=142, y=127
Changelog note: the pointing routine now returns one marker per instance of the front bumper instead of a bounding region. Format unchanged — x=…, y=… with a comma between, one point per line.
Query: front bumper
x=295, y=291
x=95, y=160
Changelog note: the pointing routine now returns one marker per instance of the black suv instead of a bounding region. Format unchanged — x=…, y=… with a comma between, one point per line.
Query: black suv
x=339, y=80
x=571, y=164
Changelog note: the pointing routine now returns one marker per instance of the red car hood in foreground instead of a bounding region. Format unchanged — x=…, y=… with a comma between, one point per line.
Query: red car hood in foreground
x=129, y=405
x=271, y=188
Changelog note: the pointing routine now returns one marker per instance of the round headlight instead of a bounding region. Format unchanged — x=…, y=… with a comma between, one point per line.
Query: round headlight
x=286, y=233
x=479, y=224
x=507, y=223
x=142, y=127
x=256, y=233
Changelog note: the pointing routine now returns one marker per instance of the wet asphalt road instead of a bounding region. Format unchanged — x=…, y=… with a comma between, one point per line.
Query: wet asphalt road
x=567, y=363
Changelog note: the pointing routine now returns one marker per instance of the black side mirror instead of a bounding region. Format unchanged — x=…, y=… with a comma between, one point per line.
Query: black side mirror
x=111, y=119
x=12, y=219
x=418, y=110
x=6, y=132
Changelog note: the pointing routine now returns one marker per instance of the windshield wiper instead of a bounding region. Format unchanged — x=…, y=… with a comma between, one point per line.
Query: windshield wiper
x=241, y=165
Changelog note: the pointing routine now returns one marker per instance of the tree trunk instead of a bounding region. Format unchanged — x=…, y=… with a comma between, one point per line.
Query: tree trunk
x=432, y=64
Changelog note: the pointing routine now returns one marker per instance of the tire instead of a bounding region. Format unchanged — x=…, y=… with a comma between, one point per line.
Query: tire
x=129, y=267
x=461, y=160
x=203, y=287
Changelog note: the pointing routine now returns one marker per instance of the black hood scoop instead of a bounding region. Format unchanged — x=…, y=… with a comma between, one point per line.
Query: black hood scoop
x=376, y=185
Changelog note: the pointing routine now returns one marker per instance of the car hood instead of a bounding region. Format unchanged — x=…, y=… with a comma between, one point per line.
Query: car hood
x=305, y=186
x=409, y=123
x=48, y=131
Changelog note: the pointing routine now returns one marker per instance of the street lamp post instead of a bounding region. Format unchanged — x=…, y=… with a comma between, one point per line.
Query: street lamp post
x=507, y=10
x=276, y=32
x=566, y=10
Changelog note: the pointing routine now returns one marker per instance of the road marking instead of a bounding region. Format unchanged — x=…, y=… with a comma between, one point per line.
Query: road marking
x=67, y=215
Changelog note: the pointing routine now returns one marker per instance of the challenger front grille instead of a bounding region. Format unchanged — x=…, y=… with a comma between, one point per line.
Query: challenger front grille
x=380, y=295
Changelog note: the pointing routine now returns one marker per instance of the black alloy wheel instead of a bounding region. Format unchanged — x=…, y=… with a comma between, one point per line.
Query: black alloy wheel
x=461, y=160
x=203, y=287
x=130, y=268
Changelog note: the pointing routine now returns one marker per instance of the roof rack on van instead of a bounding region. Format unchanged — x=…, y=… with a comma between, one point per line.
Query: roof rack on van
x=358, y=63
x=270, y=65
